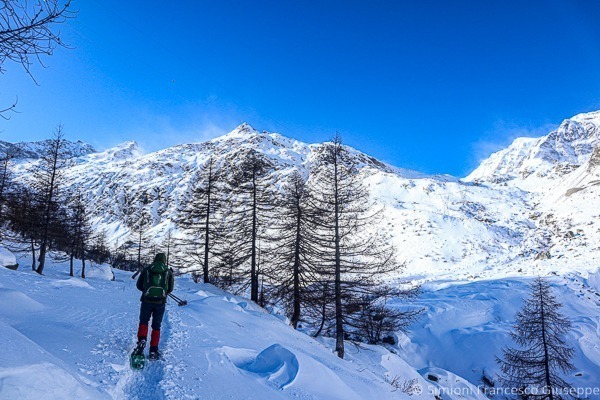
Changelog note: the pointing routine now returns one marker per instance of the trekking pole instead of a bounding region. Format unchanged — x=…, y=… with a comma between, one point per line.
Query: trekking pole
x=179, y=301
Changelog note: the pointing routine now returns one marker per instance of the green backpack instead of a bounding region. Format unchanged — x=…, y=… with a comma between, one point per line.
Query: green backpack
x=156, y=283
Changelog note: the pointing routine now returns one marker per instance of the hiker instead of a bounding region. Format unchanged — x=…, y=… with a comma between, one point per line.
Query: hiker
x=155, y=282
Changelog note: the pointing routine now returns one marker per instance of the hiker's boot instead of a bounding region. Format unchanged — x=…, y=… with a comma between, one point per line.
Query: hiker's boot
x=154, y=353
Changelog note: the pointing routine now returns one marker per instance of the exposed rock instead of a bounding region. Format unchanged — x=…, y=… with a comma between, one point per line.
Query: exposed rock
x=573, y=191
x=543, y=255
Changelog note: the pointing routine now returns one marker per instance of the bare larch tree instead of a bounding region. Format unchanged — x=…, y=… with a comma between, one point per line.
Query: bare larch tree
x=200, y=220
x=251, y=198
x=48, y=175
x=28, y=29
x=352, y=258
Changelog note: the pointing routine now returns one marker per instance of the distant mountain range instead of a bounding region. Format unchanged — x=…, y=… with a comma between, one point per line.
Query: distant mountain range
x=528, y=209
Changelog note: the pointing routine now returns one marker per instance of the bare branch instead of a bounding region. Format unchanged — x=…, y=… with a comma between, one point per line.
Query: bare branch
x=28, y=30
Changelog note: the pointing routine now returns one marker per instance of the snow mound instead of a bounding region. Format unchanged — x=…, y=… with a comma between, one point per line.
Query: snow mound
x=276, y=364
x=15, y=302
x=6, y=257
x=74, y=282
x=44, y=380
x=103, y=271
x=30, y=371
x=594, y=281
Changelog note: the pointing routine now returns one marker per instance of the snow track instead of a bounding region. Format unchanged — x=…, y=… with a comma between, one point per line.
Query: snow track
x=156, y=380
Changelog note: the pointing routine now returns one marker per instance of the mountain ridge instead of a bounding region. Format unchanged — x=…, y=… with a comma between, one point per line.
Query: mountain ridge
x=488, y=224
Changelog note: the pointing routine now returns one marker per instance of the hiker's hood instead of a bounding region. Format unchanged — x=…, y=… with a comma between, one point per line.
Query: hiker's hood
x=160, y=258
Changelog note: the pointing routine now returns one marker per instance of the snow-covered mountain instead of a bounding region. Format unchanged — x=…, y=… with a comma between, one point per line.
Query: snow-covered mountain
x=33, y=150
x=525, y=210
x=528, y=162
x=475, y=242
x=558, y=175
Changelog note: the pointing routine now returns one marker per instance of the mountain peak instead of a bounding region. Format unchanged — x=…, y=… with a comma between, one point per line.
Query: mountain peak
x=127, y=149
x=123, y=151
x=548, y=157
x=244, y=128
x=242, y=131
x=593, y=117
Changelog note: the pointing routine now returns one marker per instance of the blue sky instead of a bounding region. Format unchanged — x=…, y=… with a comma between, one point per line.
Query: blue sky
x=428, y=85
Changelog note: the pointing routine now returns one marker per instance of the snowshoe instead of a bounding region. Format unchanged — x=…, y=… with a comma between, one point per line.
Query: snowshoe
x=137, y=358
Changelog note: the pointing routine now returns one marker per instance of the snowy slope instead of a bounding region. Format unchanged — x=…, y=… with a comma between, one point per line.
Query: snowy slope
x=527, y=160
x=528, y=210
x=558, y=175
x=70, y=338
x=6, y=257
x=467, y=323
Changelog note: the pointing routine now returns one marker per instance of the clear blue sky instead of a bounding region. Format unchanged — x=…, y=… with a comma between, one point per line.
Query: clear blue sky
x=429, y=85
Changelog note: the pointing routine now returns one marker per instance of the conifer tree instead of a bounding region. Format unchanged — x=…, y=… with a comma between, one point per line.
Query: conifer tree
x=351, y=260
x=251, y=201
x=377, y=320
x=48, y=182
x=6, y=156
x=24, y=216
x=200, y=219
x=140, y=220
x=287, y=256
x=81, y=230
x=542, y=356
x=98, y=247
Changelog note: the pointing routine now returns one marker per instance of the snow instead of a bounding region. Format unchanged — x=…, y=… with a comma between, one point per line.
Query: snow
x=65, y=337
x=466, y=325
x=451, y=386
x=473, y=243
x=276, y=365
x=6, y=257
x=33, y=150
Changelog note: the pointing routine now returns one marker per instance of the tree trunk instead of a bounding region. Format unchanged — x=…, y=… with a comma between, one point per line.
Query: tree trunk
x=323, y=310
x=339, y=316
x=71, y=265
x=296, y=313
x=207, y=226
x=253, y=274
x=3, y=180
x=82, y=266
x=32, y=255
x=546, y=358
x=42, y=257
